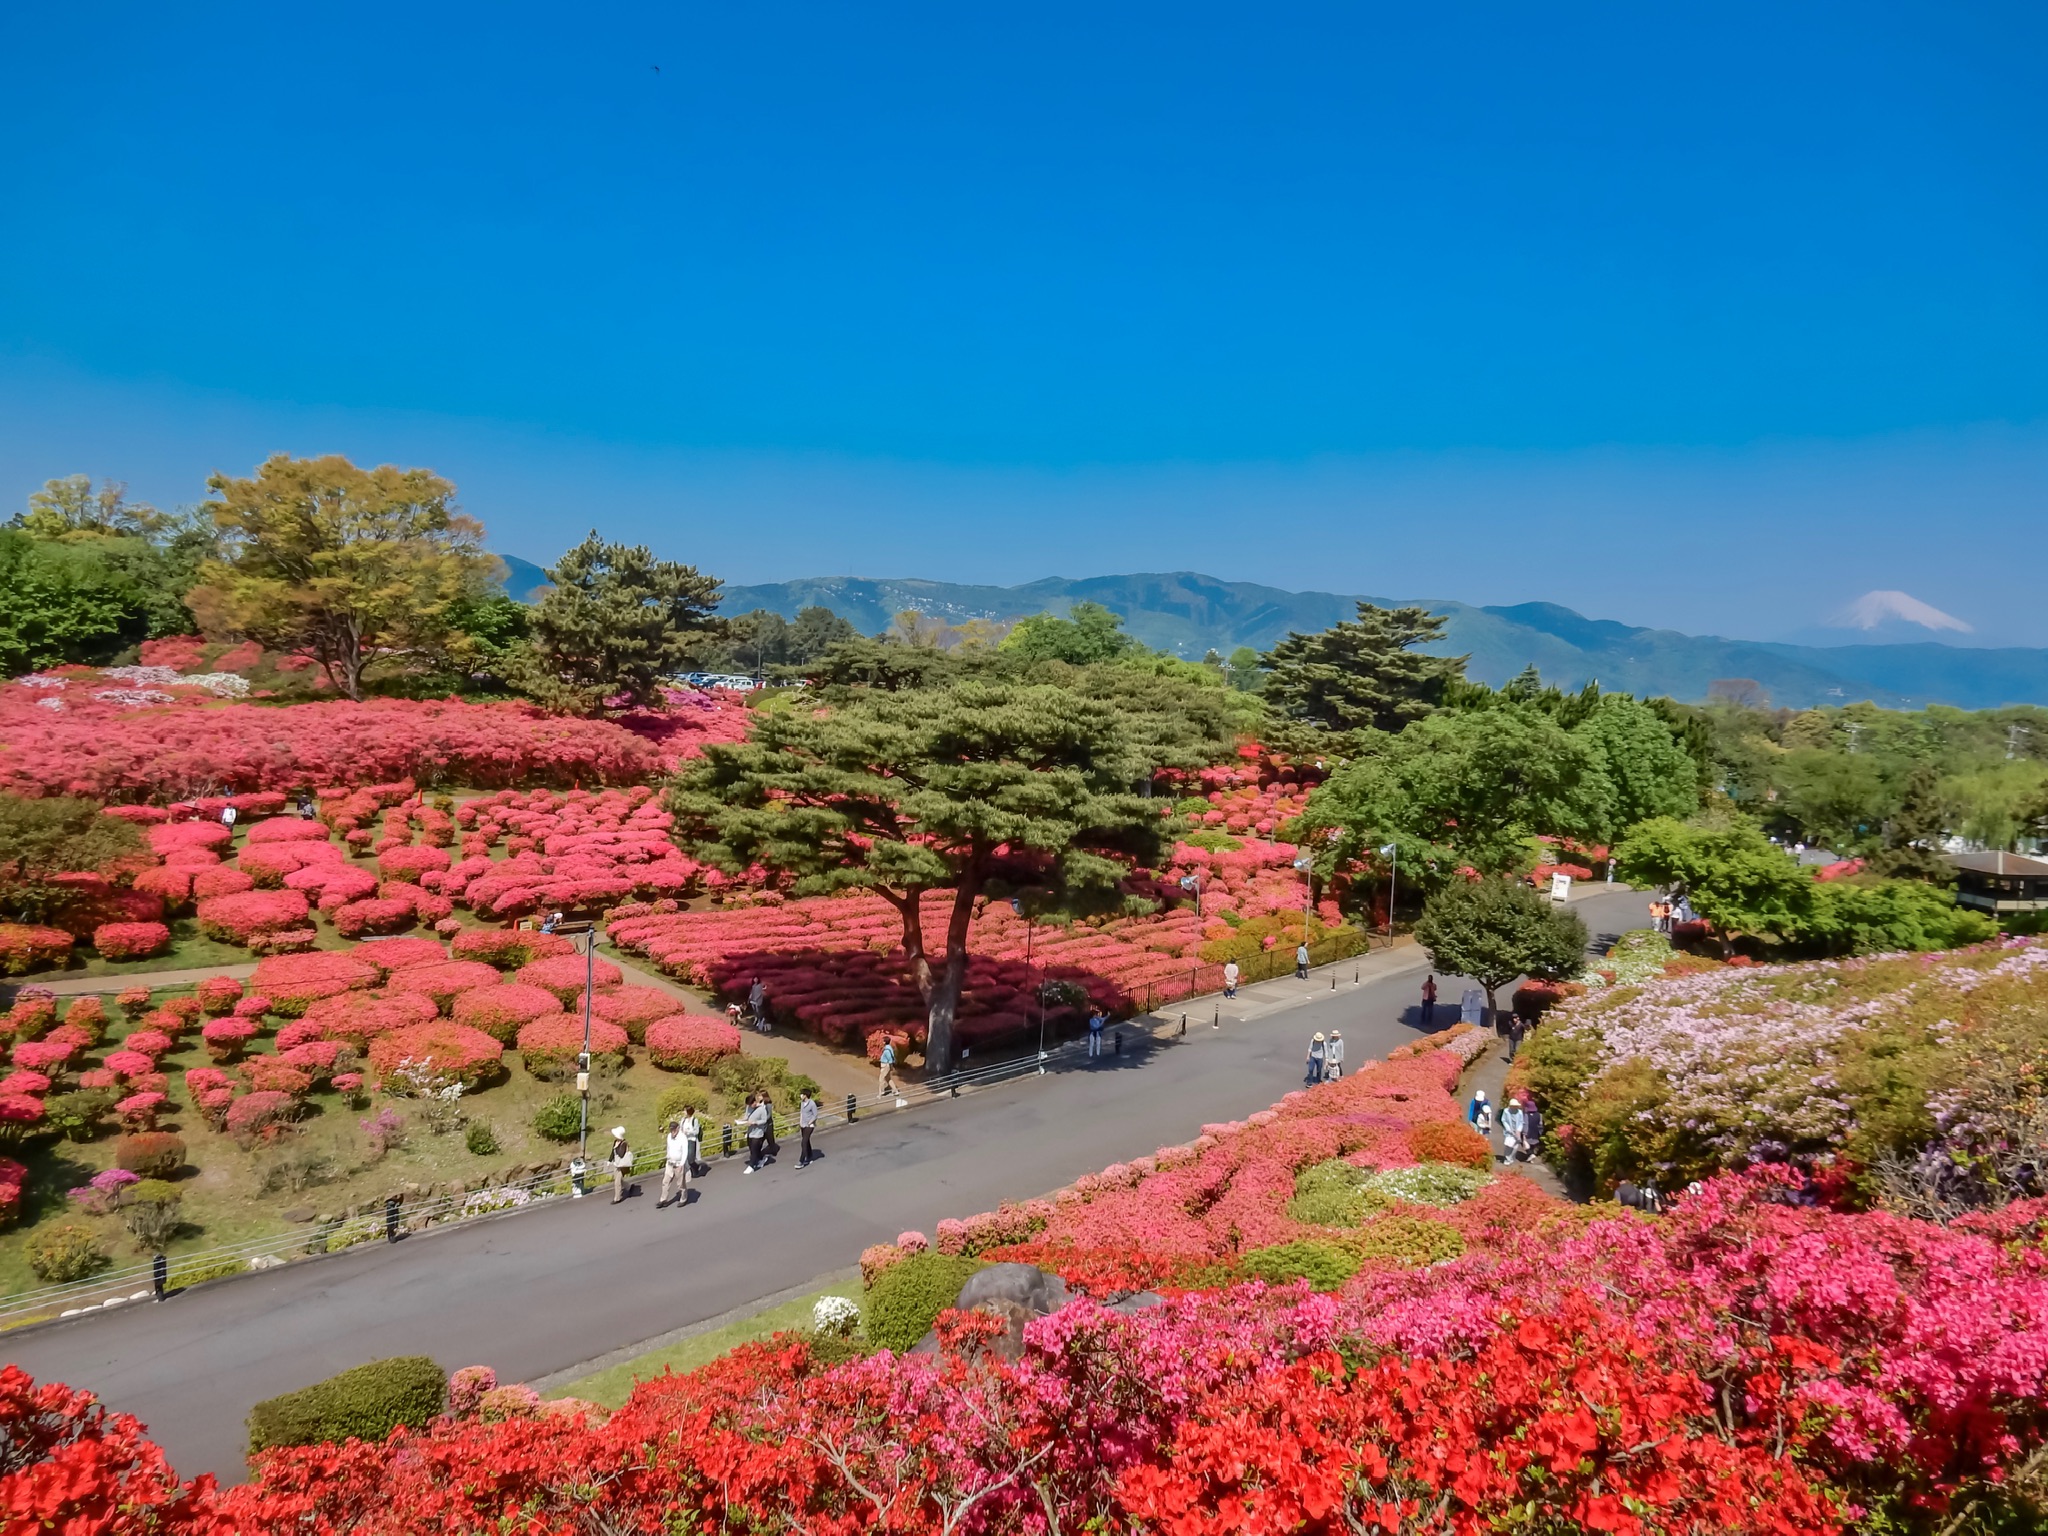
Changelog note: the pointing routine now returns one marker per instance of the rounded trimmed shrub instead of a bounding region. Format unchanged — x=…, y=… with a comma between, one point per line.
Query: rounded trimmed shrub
x=390, y=955
x=218, y=995
x=257, y=1116
x=682, y=1097
x=238, y=919
x=469, y=1054
x=908, y=1296
x=508, y=949
x=286, y=829
x=559, y=1118
x=293, y=983
x=360, y=1017
x=631, y=1008
x=365, y=1403
x=685, y=1042
x=225, y=1038
x=564, y=975
x=1324, y=1265
x=26, y=946
x=354, y=919
x=501, y=1010
x=221, y=881
x=153, y=1154
x=64, y=1253
x=549, y=1046
x=411, y=863
x=443, y=982
x=131, y=941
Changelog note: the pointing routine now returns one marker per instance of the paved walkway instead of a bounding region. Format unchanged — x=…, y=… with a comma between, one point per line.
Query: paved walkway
x=81, y=986
x=542, y=1294
x=1491, y=1073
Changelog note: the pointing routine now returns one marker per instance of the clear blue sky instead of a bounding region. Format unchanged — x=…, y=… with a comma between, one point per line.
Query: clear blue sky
x=1712, y=316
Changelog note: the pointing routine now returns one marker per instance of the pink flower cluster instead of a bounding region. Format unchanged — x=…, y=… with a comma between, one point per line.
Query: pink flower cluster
x=579, y=850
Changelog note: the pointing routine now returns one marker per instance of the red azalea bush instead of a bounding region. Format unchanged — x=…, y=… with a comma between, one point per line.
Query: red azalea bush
x=129, y=1064
x=28, y=947
x=355, y=919
x=238, y=919
x=46, y=1056
x=226, y=1038
x=221, y=882
x=444, y=981
x=282, y=831
x=170, y=883
x=332, y=885
x=410, y=863
x=218, y=995
x=130, y=941
x=294, y=982
x=133, y=1001
x=500, y=1010
x=582, y=850
x=20, y=1113
x=34, y=1084
x=549, y=1046
x=273, y=1074
x=631, y=1008
x=468, y=1053
x=12, y=1177
x=690, y=1042
x=258, y=1117
x=151, y=1042
x=389, y=955
x=508, y=949
x=138, y=1111
x=564, y=975
x=359, y=1017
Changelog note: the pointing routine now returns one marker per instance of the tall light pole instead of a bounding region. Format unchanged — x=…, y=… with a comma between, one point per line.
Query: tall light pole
x=1017, y=906
x=1393, y=853
x=577, y=1170
x=1305, y=862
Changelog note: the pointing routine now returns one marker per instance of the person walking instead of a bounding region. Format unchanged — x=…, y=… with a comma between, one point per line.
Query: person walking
x=756, y=1123
x=757, y=1004
x=306, y=811
x=887, y=1085
x=1301, y=962
x=621, y=1161
x=1095, y=1023
x=1314, y=1074
x=806, y=1122
x=1532, y=1129
x=227, y=817
x=1429, y=1000
x=693, y=1139
x=1333, y=1057
x=1517, y=1027
x=1479, y=1113
x=1230, y=974
x=774, y=1147
x=1511, y=1123
x=677, y=1158
x=547, y=924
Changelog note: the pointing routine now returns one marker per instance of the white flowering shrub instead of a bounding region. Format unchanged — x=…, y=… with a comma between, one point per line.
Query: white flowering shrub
x=835, y=1314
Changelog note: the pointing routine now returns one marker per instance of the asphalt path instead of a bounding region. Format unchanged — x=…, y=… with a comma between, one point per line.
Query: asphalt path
x=542, y=1292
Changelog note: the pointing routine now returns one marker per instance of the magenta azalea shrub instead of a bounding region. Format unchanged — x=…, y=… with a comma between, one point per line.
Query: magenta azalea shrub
x=690, y=1042
x=500, y=1010
x=131, y=941
x=564, y=975
x=549, y=1046
x=238, y=919
x=358, y=919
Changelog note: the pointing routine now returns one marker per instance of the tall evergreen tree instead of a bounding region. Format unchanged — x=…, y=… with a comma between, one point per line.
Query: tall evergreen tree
x=613, y=623
x=1362, y=672
x=1913, y=835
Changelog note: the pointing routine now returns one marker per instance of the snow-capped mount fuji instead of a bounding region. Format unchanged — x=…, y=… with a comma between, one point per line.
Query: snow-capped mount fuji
x=1888, y=617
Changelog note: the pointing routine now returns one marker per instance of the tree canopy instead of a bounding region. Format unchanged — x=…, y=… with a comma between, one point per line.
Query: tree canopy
x=981, y=788
x=613, y=623
x=1495, y=930
x=1362, y=672
x=1089, y=633
x=343, y=565
x=1462, y=789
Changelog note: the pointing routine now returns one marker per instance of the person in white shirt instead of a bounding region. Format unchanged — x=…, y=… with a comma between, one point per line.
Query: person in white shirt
x=693, y=1138
x=806, y=1122
x=621, y=1161
x=675, y=1168
x=756, y=1123
x=1230, y=974
x=227, y=817
x=1333, y=1057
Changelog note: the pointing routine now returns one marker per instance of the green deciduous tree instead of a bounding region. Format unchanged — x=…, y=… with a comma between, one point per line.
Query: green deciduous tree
x=60, y=604
x=1362, y=672
x=1838, y=800
x=1090, y=633
x=1733, y=875
x=70, y=506
x=42, y=839
x=1871, y=917
x=1495, y=930
x=614, y=622
x=345, y=566
x=1462, y=789
x=1650, y=773
x=975, y=789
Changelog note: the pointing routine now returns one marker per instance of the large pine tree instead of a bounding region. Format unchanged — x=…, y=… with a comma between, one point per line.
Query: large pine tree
x=1363, y=672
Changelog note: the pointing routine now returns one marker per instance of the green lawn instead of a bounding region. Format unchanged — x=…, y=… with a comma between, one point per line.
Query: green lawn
x=611, y=1387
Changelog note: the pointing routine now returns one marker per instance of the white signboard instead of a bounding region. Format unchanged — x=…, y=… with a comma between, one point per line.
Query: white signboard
x=1560, y=885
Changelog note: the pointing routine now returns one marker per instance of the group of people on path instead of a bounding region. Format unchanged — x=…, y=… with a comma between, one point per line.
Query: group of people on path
x=683, y=1147
x=1325, y=1058
x=1521, y=1124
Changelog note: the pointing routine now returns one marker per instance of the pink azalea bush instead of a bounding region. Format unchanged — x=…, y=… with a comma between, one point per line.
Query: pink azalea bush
x=564, y=975
x=690, y=1042
x=499, y=1010
x=131, y=941
x=238, y=919
x=452, y=1048
x=549, y=1046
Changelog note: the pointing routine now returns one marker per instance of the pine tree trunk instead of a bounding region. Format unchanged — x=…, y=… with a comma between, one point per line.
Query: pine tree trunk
x=944, y=999
x=907, y=908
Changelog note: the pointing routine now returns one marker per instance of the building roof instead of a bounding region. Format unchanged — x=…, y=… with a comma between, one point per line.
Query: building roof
x=2001, y=864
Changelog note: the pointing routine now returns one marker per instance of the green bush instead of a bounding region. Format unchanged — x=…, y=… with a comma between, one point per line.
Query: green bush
x=560, y=1118
x=738, y=1076
x=1411, y=1240
x=366, y=1403
x=830, y=1349
x=199, y=1272
x=152, y=1212
x=65, y=1253
x=908, y=1296
x=679, y=1100
x=80, y=1114
x=1324, y=1265
x=1329, y=1195
x=481, y=1139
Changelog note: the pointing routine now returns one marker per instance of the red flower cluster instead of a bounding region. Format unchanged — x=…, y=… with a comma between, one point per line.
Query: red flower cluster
x=690, y=1042
x=580, y=850
x=130, y=941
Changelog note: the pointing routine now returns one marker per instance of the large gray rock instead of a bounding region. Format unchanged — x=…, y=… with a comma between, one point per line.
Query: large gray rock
x=1022, y=1285
x=1140, y=1301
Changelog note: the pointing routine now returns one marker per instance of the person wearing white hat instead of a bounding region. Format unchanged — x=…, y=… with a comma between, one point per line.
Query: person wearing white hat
x=1479, y=1114
x=1333, y=1056
x=621, y=1161
x=1315, y=1061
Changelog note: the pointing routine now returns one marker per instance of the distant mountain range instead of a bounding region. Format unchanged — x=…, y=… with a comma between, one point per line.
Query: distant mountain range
x=1190, y=614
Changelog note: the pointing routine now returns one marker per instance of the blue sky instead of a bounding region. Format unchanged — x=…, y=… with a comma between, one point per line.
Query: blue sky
x=1714, y=318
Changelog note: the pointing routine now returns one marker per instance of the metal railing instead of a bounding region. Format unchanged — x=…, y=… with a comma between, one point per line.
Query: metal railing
x=399, y=1218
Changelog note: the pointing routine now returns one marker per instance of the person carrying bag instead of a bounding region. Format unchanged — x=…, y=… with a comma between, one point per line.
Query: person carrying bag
x=621, y=1162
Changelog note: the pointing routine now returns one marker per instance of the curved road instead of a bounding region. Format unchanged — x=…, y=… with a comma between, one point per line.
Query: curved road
x=540, y=1293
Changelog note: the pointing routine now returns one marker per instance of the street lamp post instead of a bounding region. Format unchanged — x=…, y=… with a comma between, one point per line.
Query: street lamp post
x=1393, y=853
x=578, y=1168
x=1017, y=906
